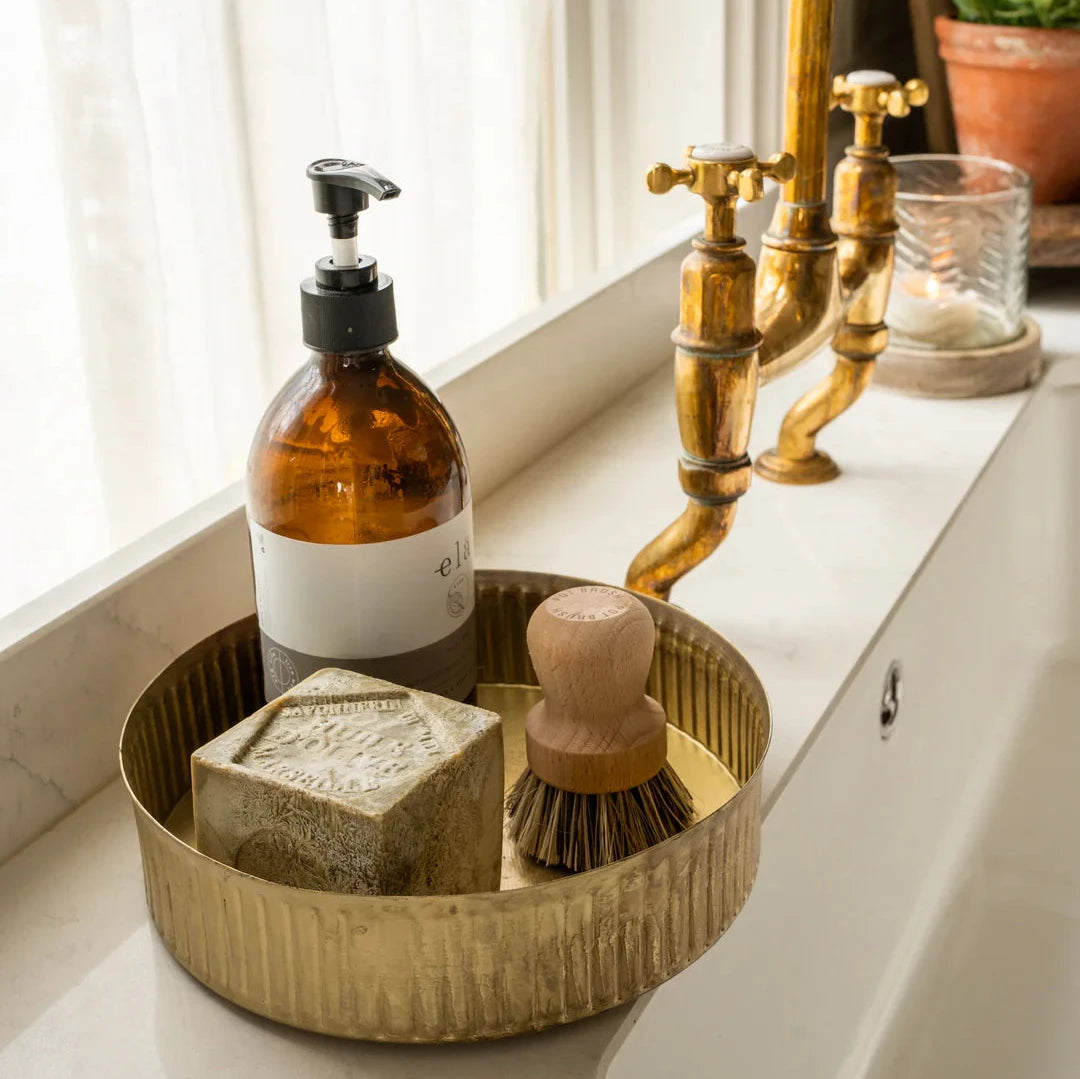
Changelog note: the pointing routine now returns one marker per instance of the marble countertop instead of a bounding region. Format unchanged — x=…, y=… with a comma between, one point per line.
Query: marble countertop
x=802, y=586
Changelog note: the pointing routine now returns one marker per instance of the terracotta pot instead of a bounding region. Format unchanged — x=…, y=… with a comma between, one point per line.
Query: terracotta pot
x=1015, y=93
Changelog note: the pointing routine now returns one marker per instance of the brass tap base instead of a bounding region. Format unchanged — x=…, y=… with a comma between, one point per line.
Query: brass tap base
x=819, y=468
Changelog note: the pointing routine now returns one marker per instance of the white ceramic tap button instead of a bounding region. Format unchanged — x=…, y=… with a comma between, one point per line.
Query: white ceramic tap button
x=727, y=152
x=871, y=77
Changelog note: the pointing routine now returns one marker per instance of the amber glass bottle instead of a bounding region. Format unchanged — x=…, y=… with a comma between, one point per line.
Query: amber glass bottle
x=358, y=489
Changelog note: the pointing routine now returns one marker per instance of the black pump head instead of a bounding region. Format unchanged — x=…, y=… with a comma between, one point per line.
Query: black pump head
x=348, y=305
x=342, y=189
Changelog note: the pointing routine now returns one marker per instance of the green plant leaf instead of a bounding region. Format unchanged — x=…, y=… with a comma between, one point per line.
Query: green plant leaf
x=1048, y=14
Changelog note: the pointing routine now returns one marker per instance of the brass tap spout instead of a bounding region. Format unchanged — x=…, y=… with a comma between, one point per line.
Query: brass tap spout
x=798, y=294
x=715, y=360
x=865, y=190
x=798, y=288
x=684, y=544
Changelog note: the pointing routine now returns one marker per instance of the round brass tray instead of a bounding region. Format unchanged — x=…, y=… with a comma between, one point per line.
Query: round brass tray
x=544, y=950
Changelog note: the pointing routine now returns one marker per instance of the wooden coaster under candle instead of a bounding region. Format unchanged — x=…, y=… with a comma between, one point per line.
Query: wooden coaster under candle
x=963, y=372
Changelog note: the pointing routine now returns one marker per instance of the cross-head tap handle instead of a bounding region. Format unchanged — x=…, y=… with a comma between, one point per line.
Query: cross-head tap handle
x=870, y=96
x=721, y=173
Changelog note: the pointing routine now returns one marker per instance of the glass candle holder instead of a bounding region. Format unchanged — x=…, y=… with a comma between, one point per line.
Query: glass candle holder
x=960, y=279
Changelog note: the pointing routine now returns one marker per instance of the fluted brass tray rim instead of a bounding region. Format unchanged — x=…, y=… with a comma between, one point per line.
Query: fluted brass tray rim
x=656, y=905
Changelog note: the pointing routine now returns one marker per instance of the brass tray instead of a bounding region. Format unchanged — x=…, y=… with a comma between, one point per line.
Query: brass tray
x=547, y=948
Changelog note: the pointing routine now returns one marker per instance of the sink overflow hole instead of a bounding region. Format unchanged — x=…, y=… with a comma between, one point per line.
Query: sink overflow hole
x=890, y=698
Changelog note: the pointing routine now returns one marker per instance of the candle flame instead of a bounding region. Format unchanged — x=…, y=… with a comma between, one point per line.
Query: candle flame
x=933, y=287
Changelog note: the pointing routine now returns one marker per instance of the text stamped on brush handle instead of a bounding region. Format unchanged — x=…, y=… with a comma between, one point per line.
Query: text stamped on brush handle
x=589, y=603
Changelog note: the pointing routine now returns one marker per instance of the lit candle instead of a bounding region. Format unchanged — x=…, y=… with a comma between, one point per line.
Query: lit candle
x=931, y=312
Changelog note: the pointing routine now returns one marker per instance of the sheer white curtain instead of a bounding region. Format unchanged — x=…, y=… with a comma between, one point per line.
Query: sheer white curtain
x=157, y=222
x=157, y=219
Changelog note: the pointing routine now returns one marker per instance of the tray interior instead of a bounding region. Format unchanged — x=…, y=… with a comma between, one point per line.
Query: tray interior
x=710, y=782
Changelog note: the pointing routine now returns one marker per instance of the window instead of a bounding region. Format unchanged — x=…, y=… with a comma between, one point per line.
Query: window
x=157, y=218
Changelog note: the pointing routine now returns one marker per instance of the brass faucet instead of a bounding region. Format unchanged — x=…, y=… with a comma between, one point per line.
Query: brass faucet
x=811, y=283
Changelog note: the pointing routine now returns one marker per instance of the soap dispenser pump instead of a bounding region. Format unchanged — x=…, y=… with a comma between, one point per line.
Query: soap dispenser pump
x=348, y=306
x=358, y=494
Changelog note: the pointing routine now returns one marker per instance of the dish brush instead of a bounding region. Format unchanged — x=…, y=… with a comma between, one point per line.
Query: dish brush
x=598, y=786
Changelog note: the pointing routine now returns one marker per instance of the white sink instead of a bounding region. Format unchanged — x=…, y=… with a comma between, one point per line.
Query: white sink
x=917, y=913
x=993, y=985
x=996, y=990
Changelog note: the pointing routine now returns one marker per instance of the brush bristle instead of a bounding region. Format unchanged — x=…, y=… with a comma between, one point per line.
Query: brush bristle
x=583, y=831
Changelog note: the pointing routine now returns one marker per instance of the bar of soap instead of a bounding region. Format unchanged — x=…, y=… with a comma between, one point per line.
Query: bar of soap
x=351, y=784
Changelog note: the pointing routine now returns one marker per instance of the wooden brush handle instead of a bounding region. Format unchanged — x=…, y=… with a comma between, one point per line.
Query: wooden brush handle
x=595, y=731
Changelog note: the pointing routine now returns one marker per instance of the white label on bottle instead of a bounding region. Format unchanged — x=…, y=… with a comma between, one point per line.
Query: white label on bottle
x=355, y=601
